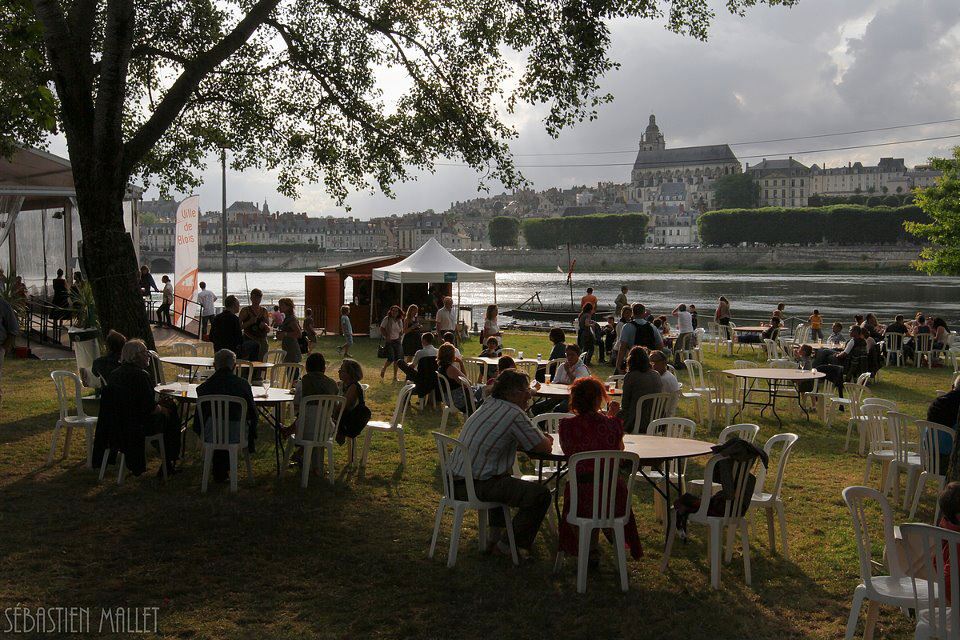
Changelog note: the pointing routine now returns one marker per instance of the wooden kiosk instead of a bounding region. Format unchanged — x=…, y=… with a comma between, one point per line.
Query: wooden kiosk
x=324, y=292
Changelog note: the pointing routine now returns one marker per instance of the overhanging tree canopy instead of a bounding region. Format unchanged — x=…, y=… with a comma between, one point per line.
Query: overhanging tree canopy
x=150, y=89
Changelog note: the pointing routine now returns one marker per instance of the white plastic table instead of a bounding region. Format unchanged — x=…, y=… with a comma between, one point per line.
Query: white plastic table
x=774, y=378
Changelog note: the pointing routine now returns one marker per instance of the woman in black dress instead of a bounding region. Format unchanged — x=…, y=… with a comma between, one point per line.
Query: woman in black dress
x=412, y=329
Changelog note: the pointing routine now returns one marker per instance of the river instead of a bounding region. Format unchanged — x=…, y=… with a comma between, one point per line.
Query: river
x=838, y=296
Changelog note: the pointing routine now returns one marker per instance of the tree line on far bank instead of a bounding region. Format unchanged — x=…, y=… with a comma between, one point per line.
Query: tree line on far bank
x=599, y=230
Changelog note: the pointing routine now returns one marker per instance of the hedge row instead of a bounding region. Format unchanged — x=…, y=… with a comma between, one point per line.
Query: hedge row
x=599, y=230
x=840, y=224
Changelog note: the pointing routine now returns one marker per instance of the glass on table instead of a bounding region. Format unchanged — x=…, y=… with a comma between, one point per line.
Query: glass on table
x=265, y=383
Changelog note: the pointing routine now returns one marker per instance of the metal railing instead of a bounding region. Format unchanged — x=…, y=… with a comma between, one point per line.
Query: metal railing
x=189, y=313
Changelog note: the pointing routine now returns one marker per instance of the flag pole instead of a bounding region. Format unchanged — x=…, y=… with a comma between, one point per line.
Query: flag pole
x=570, y=276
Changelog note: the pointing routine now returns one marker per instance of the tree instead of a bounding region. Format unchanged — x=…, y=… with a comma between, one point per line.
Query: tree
x=737, y=191
x=504, y=231
x=941, y=202
x=148, y=90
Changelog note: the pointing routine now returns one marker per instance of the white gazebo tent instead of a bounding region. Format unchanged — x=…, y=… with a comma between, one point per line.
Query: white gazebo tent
x=430, y=264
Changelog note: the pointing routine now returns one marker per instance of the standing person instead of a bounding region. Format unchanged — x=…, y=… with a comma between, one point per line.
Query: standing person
x=390, y=330
x=692, y=308
x=166, y=300
x=609, y=337
x=492, y=436
x=289, y=332
x=255, y=322
x=620, y=346
x=412, y=329
x=147, y=283
x=446, y=318
x=684, y=334
x=206, y=300
x=621, y=300
x=61, y=299
x=9, y=330
x=490, y=327
x=346, y=330
x=585, y=337
x=309, y=336
x=589, y=299
x=225, y=331
x=722, y=315
x=816, y=326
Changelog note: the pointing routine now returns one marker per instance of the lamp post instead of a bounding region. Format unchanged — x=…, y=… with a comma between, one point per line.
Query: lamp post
x=223, y=224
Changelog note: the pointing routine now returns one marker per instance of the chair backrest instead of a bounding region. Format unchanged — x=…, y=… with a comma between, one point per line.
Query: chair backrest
x=672, y=427
x=446, y=393
x=739, y=498
x=468, y=397
x=403, y=401
x=923, y=342
x=446, y=446
x=182, y=349
x=773, y=352
x=856, y=394
x=507, y=351
x=873, y=419
x=893, y=341
x=857, y=499
x=801, y=333
x=285, y=374
x=937, y=549
x=62, y=382
x=863, y=379
x=549, y=422
x=699, y=334
x=782, y=363
x=744, y=431
x=744, y=364
x=244, y=369
x=473, y=369
x=889, y=405
x=659, y=407
x=275, y=356
x=725, y=332
x=695, y=373
x=723, y=386
x=553, y=364
x=786, y=442
x=216, y=411
x=933, y=439
x=156, y=368
x=607, y=466
x=204, y=349
x=528, y=367
x=319, y=417
x=899, y=426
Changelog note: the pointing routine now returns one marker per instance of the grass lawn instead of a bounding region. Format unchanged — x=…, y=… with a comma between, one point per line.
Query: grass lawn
x=350, y=559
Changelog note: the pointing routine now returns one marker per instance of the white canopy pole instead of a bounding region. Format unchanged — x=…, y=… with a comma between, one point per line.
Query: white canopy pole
x=494, y=291
x=373, y=288
x=401, y=295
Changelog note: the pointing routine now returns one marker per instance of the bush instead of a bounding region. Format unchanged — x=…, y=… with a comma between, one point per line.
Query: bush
x=599, y=230
x=504, y=231
x=839, y=224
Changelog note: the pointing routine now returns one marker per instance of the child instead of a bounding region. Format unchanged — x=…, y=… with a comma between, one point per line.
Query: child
x=816, y=324
x=276, y=318
x=493, y=348
x=692, y=308
x=347, y=330
x=837, y=336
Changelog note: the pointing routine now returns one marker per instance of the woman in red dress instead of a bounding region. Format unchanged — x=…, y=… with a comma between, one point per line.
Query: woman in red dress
x=590, y=430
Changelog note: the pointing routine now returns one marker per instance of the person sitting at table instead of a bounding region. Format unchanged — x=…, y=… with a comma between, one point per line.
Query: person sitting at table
x=558, y=350
x=773, y=331
x=640, y=380
x=355, y=412
x=871, y=328
x=945, y=410
x=448, y=369
x=492, y=436
x=103, y=366
x=483, y=392
x=836, y=335
x=668, y=381
x=492, y=349
x=422, y=369
x=314, y=382
x=224, y=382
x=567, y=371
x=129, y=412
x=941, y=334
x=591, y=430
x=449, y=338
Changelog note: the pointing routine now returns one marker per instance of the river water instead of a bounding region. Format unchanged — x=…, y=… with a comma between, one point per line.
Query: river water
x=838, y=296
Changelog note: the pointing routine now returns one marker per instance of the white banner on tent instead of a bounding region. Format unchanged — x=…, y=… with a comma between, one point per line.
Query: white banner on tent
x=186, y=256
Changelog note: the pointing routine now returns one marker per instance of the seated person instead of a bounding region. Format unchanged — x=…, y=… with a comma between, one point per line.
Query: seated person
x=355, y=412
x=897, y=326
x=640, y=380
x=314, y=382
x=568, y=371
x=104, y=365
x=448, y=369
x=591, y=430
x=492, y=349
x=423, y=368
x=224, y=382
x=492, y=435
x=944, y=410
x=836, y=335
x=668, y=381
x=557, y=351
x=770, y=333
x=449, y=338
x=129, y=412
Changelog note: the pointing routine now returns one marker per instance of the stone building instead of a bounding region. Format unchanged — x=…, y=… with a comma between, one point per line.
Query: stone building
x=783, y=183
x=890, y=175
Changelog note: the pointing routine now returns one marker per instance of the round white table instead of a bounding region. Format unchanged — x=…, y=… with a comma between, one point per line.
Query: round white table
x=557, y=390
x=193, y=363
x=774, y=378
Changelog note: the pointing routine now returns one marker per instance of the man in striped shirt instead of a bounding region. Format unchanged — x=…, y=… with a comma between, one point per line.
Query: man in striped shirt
x=492, y=435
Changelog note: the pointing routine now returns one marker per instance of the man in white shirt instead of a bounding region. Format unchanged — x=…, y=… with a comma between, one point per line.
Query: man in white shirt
x=206, y=300
x=427, y=349
x=446, y=318
x=567, y=372
x=684, y=334
x=668, y=381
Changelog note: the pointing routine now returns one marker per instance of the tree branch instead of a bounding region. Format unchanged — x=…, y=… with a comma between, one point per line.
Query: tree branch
x=193, y=73
x=147, y=50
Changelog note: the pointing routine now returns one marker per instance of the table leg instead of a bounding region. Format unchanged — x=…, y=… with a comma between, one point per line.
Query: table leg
x=773, y=403
x=800, y=403
x=743, y=402
x=277, y=444
x=667, y=509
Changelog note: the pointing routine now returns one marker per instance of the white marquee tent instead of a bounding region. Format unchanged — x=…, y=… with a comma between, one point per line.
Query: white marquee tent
x=430, y=264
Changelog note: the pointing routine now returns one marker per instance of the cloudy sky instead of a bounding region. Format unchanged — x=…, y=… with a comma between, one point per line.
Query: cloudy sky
x=823, y=66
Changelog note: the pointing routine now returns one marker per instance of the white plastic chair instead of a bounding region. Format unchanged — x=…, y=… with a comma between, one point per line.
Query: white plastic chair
x=893, y=342
x=894, y=589
x=445, y=447
x=615, y=380
x=930, y=459
x=905, y=460
x=736, y=504
x=394, y=426
x=723, y=398
x=446, y=399
x=285, y=375
x=773, y=351
x=770, y=501
x=204, y=349
x=473, y=369
x=244, y=369
x=603, y=515
x=156, y=439
x=671, y=427
x=316, y=427
x=183, y=349
x=156, y=368
x=743, y=431
x=274, y=356
x=880, y=450
x=215, y=435
x=724, y=338
x=699, y=391
x=937, y=616
x=699, y=337
x=61, y=381
x=528, y=367
x=659, y=407
x=855, y=394
x=923, y=348
x=507, y=351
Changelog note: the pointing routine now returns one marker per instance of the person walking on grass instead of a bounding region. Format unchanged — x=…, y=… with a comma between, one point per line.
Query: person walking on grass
x=346, y=328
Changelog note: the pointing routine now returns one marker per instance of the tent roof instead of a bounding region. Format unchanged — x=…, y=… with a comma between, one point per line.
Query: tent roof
x=433, y=263
x=43, y=179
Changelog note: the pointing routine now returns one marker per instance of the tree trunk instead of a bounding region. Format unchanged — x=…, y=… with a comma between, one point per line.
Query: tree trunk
x=109, y=260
